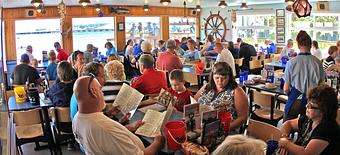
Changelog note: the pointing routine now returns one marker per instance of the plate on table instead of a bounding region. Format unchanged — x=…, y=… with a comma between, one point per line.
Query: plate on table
x=273, y=87
x=249, y=82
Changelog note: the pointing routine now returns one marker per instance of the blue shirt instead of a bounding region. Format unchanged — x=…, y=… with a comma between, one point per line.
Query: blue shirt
x=88, y=56
x=304, y=72
x=51, y=71
x=73, y=106
x=191, y=54
x=111, y=51
x=210, y=48
x=137, y=50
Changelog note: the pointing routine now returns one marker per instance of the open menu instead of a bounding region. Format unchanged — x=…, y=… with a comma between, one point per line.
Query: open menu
x=165, y=98
x=154, y=122
x=128, y=99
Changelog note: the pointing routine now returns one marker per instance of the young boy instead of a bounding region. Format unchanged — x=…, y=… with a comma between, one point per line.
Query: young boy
x=178, y=89
x=192, y=53
x=51, y=70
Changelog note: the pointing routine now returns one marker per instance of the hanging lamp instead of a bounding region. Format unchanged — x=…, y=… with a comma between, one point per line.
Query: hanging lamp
x=302, y=8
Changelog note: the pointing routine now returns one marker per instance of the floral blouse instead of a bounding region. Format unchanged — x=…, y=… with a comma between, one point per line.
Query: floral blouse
x=223, y=101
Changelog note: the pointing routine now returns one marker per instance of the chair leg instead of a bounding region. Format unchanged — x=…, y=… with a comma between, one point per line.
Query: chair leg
x=20, y=150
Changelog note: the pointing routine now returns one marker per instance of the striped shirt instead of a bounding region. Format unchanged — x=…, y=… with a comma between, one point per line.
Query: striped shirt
x=111, y=89
x=329, y=61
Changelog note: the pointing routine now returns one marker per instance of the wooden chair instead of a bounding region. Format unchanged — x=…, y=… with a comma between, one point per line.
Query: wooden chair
x=29, y=128
x=267, y=111
x=62, y=126
x=338, y=117
x=262, y=57
x=277, y=57
x=263, y=131
x=9, y=93
x=254, y=58
x=255, y=66
x=268, y=60
x=192, y=80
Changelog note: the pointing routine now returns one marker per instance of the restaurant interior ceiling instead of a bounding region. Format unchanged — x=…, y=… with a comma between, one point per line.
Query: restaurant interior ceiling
x=174, y=3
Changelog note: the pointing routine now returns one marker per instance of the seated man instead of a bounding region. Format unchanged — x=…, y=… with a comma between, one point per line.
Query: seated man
x=98, y=134
x=168, y=61
x=24, y=72
x=152, y=81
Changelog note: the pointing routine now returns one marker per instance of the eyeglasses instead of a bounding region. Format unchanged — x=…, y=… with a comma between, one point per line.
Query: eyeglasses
x=92, y=76
x=310, y=106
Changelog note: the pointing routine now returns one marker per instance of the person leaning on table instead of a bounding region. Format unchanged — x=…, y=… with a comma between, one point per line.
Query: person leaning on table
x=222, y=93
x=98, y=134
x=318, y=130
x=302, y=72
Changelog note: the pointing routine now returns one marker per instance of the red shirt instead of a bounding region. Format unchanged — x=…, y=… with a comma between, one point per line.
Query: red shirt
x=182, y=98
x=168, y=61
x=151, y=82
x=62, y=55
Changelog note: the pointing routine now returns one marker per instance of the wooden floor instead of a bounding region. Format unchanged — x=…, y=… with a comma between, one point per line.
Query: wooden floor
x=28, y=149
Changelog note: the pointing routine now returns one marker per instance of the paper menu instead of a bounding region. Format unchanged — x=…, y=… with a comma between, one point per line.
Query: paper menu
x=165, y=98
x=154, y=122
x=128, y=99
x=192, y=100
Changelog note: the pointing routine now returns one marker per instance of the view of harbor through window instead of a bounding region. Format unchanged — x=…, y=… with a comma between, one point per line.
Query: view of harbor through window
x=182, y=27
x=39, y=33
x=147, y=28
x=96, y=31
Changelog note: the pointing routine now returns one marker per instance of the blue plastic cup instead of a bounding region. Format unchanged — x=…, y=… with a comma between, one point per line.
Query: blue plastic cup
x=245, y=75
x=284, y=60
x=272, y=145
x=241, y=77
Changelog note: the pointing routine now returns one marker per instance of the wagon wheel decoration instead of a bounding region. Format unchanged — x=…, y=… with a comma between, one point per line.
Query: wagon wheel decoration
x=216, y=26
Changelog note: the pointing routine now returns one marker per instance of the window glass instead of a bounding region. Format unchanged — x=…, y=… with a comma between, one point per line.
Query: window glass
x=40, y=33
x=146, y=28
x=95, y=30
x=182, y=27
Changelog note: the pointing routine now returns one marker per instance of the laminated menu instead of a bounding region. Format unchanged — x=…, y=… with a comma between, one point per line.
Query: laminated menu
x=154, y=122
x=128, y=99
x=165, y=98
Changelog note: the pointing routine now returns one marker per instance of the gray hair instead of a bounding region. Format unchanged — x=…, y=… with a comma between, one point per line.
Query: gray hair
x=147, y=60
x=171, y=44
x=146, y=46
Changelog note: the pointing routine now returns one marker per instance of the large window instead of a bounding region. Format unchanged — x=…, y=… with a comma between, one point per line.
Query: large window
x=96, y=31
x=182, y=27
x=254, y=29
x=146, y=28
x=322, y=28
x=40, y=33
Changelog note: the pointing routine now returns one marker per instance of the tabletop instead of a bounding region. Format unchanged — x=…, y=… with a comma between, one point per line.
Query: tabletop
x=15, y=106
x=277, y=64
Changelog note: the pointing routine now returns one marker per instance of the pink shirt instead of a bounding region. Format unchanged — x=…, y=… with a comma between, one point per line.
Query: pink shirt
x=62, y=55
x=168, y=61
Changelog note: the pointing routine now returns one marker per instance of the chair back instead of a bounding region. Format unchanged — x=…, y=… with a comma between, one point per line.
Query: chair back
x=267, y=60
x=63, y=114
x=338, y=117
x=29, y=117
x=254, y=57
x=262, y=99
x=253, y=64
x=190, y=77
x=239, y=62
x=277, y=57
x=262, y=57
x=263, y=131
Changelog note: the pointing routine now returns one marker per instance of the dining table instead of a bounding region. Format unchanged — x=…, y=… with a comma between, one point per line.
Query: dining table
x=201, y=77
x=277, y=65
x=45, y=104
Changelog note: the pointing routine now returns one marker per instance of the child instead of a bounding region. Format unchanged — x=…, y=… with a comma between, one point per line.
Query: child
x=178, y=89
x=51, y=71
x=192, y=53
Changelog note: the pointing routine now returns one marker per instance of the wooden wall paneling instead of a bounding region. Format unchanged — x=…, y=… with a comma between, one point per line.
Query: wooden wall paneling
x=165, y=28
x=10, y=46
x=198, y=27
x=120, y=35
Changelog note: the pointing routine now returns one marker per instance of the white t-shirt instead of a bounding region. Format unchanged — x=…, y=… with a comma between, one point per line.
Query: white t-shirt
x=30, y=55
x=226, y=56
x=317, y=53
x=129, y=50
x=98, y=134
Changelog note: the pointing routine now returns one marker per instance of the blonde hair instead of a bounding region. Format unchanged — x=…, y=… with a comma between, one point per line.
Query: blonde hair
x=34, y=63
x=51, y=56
x=112, y=57
x=241, y=145
x=146, y=46
x=114, y=70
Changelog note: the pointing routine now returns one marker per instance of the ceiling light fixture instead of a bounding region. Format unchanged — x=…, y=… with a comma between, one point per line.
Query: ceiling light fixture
x=36, y=3
x=222, y=4
x=198, y=8
x=190, y=1
x=165, y=2
x=290, y=2
x=244, y=6
x=98, y=7
x=84, y=2
x=146, y=8
x=302, y=8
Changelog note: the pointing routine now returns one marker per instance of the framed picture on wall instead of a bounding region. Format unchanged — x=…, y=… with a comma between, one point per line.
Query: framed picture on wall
x=280, y=22
x=280, y=31
x=280, y=12
x=121, y=26
x=280, y=39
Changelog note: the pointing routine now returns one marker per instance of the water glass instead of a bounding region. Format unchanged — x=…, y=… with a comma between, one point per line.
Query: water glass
x=245, y=75
x=241, y=77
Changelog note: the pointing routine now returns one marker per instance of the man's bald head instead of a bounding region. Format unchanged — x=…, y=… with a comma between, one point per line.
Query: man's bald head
x=89, y=95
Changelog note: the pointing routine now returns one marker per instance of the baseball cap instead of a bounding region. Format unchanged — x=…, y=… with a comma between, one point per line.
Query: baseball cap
x=177, y=42
x=25, y=58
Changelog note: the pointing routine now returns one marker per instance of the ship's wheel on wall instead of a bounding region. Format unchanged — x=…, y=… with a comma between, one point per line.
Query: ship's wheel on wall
x=216, y=26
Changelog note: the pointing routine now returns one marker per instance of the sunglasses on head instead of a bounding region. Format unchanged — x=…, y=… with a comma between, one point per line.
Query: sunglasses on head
x=310, y=106
x=92, y=76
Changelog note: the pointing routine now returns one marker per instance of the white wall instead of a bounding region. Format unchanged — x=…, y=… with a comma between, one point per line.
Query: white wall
x=334, y=7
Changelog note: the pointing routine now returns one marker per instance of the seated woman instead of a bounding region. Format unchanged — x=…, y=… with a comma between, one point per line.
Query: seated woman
x=62, y=89
x=114, y=71
x=240, y=144
x=223, y=93
x=288, y=50
x=318, y=130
